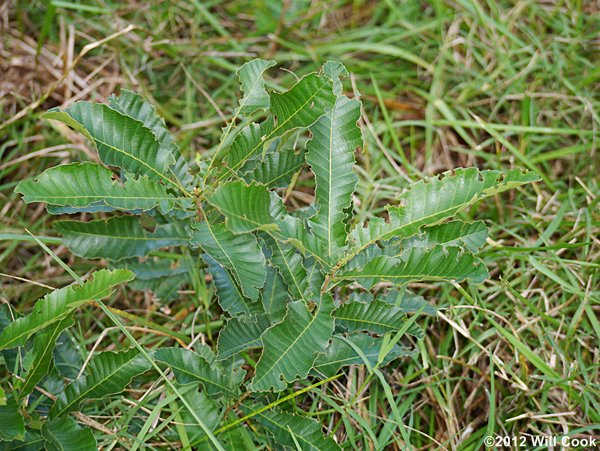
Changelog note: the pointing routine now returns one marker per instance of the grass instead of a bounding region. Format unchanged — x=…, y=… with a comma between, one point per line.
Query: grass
x=444, y=84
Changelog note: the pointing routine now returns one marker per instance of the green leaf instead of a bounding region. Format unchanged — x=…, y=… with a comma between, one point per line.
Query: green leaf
x=409, y=302
x=253, y=85
x=276, y=169
x=40, y=357
x=335, y=70
x=33, y=441
x=108, y=373
x=68, y=358
x=253, y=207
x=135, y=106
x=296, y=231
x=12, y=425
x=339, y=353
x=56, y=306
x=241, y=333
x=377, y=316
x=161, y=277
x=81, y=186
x=330, y=155
x=472, y=235
x=190, y=367
x=248, y=143
x=299, y=107
x=12, y=357
x=287, y=429
x=291, y=267
x=302, y=105
x=315, y=276
x=119, y=237
x=432, y=200
x=151, y=268
x=64, y=434
x=231, y=298
x=205, y=408
x=237, y=438
x=246, y=207
x=240, y=254
x=291, y=347
x=275, y=296
x=121, y=140
x=56, y=114
x=164, y=289
x=437, y=264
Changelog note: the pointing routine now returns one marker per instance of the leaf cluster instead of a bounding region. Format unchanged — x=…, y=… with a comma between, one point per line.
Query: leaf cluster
x=304, y=291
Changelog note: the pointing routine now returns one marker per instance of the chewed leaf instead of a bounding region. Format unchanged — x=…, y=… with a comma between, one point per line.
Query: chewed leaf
x=241, y=333
x=240, y=254
x=64, y=434
x=340, y=353
x=291, y=267
x=121, y=140
x=230, y=295
x=191, y=367
x=437, y=264
x=302, y=105
x=84, y=185
x=246, y=207
x=134, y=105
x=472, y=235
x=330, y=155
x=299, y=107
x=335, y=70
x=275, y=296
x=377, y=316
x=290, y=430
x=119, y=237
x=276, y=169
x=108, y=373
x=56, y=306
x=431, y=201
x=253, y=85
x=13, y=425
x=253, y=207
x=291, y=347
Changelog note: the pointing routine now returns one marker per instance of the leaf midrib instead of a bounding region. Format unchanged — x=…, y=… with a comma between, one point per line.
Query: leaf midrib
x=391, y=276
x=330, y=182
x=93, y=196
